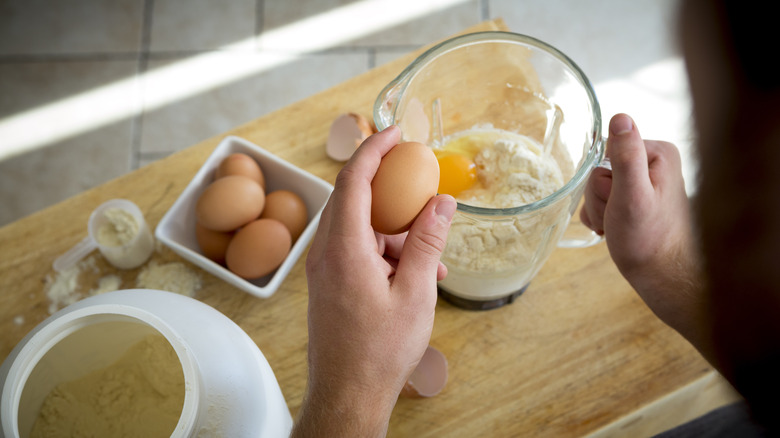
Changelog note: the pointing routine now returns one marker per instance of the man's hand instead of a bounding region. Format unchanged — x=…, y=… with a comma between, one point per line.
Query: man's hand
x=644, y=213
x=371, y=302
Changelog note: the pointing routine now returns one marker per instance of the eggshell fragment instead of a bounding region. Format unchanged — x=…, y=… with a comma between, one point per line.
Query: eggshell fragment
x=289, y=209
x=229, y=203
x=429, y=377
x=213, y=244
x=415, y=124
x=347, y=132
x=407, y=177
x=241, y=164
x=258, y=248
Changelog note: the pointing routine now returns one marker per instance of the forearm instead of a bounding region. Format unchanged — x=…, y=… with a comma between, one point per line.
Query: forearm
x=336, y=412
x=675, y=290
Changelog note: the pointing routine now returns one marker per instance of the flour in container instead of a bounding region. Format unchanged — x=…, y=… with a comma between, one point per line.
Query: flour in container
x=139, y=395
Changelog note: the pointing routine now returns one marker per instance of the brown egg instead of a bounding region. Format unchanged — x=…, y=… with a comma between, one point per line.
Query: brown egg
x=406, y=179
x=289, y=209
x=241, y=164
x=229, y=203
x=258, y=248
x=213, y=244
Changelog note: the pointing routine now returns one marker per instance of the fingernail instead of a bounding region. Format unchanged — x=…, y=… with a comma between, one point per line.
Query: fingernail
x=621, y=124
x=446, y=207
x=390, y=127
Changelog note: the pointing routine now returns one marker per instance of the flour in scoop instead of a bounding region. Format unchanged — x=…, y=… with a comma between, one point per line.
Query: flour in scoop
x=123, y=240
x=120, y=228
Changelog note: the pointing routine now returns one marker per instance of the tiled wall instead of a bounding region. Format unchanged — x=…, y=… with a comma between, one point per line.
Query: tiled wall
x=91, y=89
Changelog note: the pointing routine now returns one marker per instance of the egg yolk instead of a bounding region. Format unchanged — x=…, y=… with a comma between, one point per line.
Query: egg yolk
x=456, y=174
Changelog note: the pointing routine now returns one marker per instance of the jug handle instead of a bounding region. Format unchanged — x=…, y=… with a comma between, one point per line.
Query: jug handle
x=577, y=235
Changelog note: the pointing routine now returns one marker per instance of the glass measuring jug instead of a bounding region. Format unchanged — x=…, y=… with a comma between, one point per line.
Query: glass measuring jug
x=512, y=87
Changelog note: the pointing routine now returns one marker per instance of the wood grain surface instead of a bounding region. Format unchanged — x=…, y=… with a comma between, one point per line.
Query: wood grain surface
x=577, y=353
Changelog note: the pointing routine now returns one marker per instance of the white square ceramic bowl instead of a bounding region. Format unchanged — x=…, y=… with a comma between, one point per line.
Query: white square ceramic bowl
x=177, y=228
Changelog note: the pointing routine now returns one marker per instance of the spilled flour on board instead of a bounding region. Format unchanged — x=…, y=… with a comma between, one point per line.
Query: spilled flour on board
x=89, y=277
x=62, y=288
x=174, y=277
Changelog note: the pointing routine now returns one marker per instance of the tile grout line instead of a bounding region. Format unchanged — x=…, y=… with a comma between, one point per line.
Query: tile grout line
x=146, y=55
x=143, y=64
x=259, y=22
x=371, y=57
x=67, y=57
x=484, y=10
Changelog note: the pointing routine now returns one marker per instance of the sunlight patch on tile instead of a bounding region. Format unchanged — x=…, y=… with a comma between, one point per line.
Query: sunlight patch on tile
x=657, y=97
x=84, y=112
x=343, y=24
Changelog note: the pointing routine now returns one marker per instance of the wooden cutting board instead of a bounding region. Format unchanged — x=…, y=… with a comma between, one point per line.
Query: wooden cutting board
x=579, y=353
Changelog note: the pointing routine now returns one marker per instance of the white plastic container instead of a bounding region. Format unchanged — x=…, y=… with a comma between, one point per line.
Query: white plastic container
x=230, y=389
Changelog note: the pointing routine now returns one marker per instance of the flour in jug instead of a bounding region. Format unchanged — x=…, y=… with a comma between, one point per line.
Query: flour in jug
x=512, y=170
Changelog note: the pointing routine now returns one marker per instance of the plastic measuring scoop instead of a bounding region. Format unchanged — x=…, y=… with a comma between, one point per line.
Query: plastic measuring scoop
x=131, y=254
x=75, y=254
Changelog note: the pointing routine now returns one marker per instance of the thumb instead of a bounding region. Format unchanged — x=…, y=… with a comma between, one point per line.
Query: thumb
x=424, y=244
x=627, y=153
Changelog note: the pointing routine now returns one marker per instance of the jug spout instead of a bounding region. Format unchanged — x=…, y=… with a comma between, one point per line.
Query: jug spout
x=415, y=123
x=387, y=102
